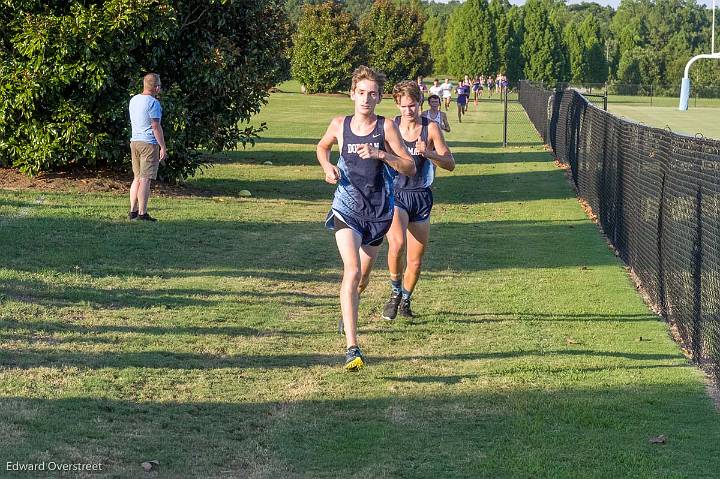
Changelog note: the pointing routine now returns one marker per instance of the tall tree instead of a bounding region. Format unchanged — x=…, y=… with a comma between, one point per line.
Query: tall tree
x=602, y=14
x=589, y=32
x=629, y=68
x=471, y=40
x=393, y=36
x=577, y=54
x=326, y=48
x=434, y=32
x=514, y=63
x=542, y=45
x=498, y=10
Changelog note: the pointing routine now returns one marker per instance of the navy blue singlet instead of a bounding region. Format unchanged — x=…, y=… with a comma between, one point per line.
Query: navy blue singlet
x=365, y=188
x=425, y=168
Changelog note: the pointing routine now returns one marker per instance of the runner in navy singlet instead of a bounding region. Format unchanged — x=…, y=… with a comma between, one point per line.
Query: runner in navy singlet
x=463, y=93
x=413, y=197
x=362, y=209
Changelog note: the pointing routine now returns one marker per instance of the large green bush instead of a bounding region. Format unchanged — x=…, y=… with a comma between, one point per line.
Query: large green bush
x=68, y=69
x=393, y=38
x=326, y=48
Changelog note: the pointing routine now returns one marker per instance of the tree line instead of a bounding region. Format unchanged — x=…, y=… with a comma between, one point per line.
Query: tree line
x=68, y=69
x=642, y=42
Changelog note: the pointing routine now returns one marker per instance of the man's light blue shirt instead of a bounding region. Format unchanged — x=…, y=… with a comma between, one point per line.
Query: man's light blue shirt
x=142, y=109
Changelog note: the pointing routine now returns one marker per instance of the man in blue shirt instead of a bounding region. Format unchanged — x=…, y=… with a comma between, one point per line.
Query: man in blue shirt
x=147, y=145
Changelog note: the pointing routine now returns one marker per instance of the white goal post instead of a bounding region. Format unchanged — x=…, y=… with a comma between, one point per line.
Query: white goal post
x=685, y=86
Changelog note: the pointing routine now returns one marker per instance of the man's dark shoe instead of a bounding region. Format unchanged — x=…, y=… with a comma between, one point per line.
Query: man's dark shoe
x=145, y=217
x=404, y=309
x=354, y=359
x=391, y=307
x=132, y=215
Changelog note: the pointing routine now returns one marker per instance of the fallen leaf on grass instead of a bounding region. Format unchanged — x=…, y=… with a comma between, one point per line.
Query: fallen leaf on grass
x=150, y=465
x=661, y=439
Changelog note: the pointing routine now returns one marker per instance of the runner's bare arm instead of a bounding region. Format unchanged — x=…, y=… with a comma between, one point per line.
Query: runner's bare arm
x=399, y=159
x=446, y=123
x=324, y=148
x=436, y=150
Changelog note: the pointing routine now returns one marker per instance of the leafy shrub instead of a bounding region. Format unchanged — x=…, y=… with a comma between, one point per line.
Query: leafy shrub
x=68, y=70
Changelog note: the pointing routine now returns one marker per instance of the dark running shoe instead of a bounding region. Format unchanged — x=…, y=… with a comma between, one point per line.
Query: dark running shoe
x=404, y=309
x=145, y=217
x=354, y=359
x=391, y=307
x=132, y=215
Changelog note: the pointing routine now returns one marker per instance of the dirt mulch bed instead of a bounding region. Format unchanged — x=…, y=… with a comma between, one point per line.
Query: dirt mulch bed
x=86, y=181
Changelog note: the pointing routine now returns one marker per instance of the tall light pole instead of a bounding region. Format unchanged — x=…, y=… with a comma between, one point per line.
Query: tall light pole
x=685, y=86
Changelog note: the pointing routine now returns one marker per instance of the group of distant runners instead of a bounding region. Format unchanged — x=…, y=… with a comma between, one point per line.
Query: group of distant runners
x=491, y=84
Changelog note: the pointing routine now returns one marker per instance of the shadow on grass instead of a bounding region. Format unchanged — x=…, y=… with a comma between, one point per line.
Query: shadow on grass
x=59, y=295
x=18, y=358
x=26, y=329
x=448, y=188
x=448, y=380
x=168, y=248
x=448, y=433
x=306, y=157
x=495, y=317
x=5, y=201
x=254, y=156
x=28, y=358
x=293, y=140
x=502, y=187
x=523, y=141
x=300, y=251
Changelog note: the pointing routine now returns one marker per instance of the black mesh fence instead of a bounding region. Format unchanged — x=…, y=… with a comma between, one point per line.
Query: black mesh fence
x=536, y=102
x=657, y=197
x=500, y=117
x=518, y=130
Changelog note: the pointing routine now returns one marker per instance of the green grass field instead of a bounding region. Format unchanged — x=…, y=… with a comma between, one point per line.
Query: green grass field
x=699, y=119
x=207, y=341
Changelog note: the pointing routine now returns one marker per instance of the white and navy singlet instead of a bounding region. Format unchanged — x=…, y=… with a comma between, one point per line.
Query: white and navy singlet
x=437, y=119
x=364, y=191
x=425, y=169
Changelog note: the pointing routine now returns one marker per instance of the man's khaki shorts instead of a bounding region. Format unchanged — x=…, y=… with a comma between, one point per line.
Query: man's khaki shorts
x=145, y=159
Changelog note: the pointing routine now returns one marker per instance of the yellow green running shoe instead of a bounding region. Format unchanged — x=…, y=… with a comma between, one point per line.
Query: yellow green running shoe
x=354, y=359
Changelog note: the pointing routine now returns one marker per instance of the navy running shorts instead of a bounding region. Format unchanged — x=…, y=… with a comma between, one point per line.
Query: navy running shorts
x=417, y=203
x=372, y=232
